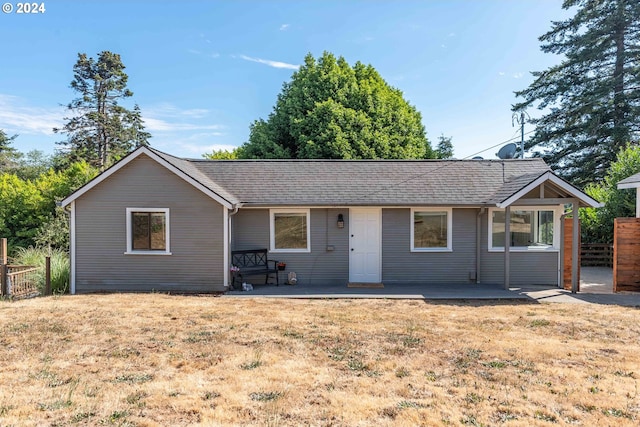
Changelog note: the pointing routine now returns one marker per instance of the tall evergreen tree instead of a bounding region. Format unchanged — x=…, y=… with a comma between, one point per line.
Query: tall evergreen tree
x=444, y=149
x=591, y=100
x=331, y=110
x=9, y=156
x=101, y=130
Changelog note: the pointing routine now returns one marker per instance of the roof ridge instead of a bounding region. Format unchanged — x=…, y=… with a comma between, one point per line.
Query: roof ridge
x=535, y=159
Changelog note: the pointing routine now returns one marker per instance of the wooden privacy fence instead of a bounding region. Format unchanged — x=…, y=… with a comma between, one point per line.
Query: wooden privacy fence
x=596, y=255
x=567, y=230
x=626, y=254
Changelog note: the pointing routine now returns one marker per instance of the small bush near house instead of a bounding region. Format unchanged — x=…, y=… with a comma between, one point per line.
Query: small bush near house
x=60, y=268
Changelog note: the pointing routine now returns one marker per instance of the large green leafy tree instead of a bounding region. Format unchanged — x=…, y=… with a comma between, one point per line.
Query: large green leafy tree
x=597, y=224
x=591, y=100
x=101, y=130
x=331, y=110
x=28, y=213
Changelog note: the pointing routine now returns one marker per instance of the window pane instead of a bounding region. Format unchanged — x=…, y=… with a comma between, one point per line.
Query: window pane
x=497, y=229
x=545, y=228
x=149, y=231
x=430, y=229
x=521, y=228
x=290, y=230
x=158, y=231
x=140, y=230
x=528, y=228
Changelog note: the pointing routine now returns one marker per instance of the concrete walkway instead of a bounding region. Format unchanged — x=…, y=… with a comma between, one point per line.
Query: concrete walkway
x=595, y=284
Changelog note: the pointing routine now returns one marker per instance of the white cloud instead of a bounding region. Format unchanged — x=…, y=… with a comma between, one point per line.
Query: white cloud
x=191, y=146
x=518, y=75
x=18, y=117
x=198, y=52
x=452, y=34
x=166, y=109
x=274, y=64
x=167, y=118
x=201, y=149
x=159, y=125
x=501, y=73
x=284, y=27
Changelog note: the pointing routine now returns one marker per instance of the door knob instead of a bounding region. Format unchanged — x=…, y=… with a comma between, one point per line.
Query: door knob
x=351, y=249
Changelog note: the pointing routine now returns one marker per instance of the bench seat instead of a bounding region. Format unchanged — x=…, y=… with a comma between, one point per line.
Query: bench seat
x=252, y=262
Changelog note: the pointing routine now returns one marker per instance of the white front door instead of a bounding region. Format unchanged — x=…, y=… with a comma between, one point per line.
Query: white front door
x=365, y=245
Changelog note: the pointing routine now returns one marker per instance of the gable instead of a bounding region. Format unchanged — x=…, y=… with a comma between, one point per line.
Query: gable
x=224, y=199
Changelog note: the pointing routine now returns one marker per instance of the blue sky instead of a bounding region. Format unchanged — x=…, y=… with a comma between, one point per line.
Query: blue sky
x=202, y=71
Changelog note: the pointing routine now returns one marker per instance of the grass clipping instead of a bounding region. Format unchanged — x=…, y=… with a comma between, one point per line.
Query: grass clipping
x=156, y=360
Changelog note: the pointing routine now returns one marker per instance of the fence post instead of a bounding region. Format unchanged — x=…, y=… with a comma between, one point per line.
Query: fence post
x=47, y=275
x=3, y=279
x=3, y=266
x=3, y=251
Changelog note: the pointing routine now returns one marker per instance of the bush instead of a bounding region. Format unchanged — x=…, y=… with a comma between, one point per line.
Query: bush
x=60, y=267
x=597, y=224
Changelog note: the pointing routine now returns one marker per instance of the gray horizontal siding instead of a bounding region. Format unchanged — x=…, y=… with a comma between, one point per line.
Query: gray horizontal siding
x=197, y=260
x=320, y=266
x=400, y=265
x=527, y=268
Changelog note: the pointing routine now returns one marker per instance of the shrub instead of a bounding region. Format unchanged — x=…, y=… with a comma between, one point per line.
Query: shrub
x=60, y=267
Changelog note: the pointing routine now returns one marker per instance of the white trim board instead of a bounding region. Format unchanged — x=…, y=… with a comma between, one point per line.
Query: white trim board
x=129, y=232
x=272, y=236
x=72, y=248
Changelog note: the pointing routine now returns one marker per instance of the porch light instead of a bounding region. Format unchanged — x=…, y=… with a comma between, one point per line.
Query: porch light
x=340, y=221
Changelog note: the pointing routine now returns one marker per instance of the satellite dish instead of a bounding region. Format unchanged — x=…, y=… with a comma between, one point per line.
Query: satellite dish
x=477, y=158
x=508, y=151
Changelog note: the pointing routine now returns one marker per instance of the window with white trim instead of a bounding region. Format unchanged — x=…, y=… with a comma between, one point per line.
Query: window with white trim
x=290, y=230
x=431, y=229
x=148, y=231
x=530, y=228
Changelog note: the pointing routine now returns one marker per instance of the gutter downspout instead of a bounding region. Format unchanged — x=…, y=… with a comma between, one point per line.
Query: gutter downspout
x=481, y=212
x=236, y=207
x=561, y=253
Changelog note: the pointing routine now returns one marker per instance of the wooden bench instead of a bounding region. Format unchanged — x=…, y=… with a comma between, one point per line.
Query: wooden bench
x=253, y=262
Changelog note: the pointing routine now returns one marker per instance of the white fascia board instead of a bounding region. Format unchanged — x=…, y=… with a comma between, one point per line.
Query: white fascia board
x=134, y=155
x=625, y=185
x=551, y=177
x=72, y=249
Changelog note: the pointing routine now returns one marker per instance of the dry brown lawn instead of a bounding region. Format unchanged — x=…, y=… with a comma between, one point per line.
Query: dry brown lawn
x=158, y=360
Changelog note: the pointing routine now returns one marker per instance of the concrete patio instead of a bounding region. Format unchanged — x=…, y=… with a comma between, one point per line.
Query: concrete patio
x=596, y=287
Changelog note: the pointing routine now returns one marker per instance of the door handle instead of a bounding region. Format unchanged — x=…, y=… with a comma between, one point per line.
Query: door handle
x=351, y=249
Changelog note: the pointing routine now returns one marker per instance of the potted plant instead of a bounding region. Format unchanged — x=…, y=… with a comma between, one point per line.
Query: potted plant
x=282, y=266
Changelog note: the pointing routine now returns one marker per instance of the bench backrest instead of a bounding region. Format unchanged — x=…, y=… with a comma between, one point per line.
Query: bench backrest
x=249, y=258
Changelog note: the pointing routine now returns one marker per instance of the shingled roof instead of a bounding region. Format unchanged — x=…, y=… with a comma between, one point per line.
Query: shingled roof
x=371, y=182
x=273, y=183
x=362, y=182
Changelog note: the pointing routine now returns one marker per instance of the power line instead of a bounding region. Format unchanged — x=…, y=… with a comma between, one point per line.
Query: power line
x=479, y=152
x=420, y=175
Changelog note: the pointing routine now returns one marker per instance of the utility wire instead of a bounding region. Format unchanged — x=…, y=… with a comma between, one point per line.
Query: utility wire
x=477, y=153
x=445, y=164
